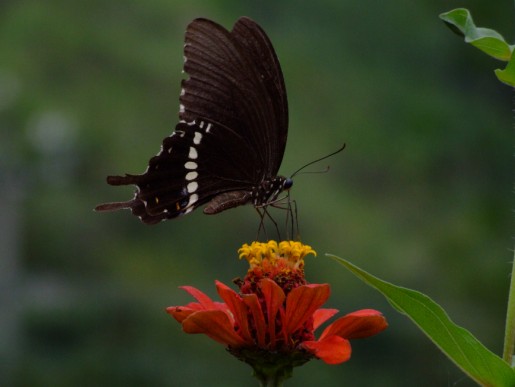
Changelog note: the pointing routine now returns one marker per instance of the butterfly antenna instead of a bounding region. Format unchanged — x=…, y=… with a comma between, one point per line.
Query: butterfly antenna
x=317, y=160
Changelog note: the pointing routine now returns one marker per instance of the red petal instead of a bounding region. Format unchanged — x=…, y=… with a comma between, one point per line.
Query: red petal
x=237, y=307
x=332, y=350
x=205, y=301
x=274, y=297
x=179, y=312
x=321, y=316
x=302, y=302
x=355, y=325
x=215, y=324
x=197, y=306
x=251, y=300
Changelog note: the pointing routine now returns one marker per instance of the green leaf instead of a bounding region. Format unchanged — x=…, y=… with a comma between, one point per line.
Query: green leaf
x=508, y=74
x=457, y=343
x=485, y=39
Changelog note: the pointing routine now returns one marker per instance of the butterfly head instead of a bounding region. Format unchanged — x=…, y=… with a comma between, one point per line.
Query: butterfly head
x=277, y=186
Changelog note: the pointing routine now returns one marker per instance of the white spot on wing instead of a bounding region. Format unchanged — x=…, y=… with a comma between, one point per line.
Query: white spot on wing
x=181, y=108
x=192, y=187
x=193, y=200
x=191, y=176
x=193, y=153
x=208, y=127
x=190, y=165
x=197, y=138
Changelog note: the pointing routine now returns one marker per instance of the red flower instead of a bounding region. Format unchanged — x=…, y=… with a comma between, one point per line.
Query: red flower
x=229, y=322
x=276, y=312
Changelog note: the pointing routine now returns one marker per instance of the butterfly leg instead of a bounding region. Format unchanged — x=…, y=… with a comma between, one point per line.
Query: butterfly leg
x=292, y=219
x=261, y=223
x=294, y=215
x=265, y=212
x=291, y=224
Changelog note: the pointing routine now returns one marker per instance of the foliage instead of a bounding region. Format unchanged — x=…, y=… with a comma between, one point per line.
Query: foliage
x=487, y=40
x=467, y=352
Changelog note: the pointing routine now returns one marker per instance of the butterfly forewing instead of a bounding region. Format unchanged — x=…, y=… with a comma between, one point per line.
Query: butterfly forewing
x=262, y=54
x=232, y=131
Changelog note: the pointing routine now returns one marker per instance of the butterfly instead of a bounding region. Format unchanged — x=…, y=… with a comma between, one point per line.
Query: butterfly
x=229, y=143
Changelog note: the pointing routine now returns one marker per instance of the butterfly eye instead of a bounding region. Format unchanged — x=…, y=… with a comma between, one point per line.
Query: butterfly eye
x=287, y=184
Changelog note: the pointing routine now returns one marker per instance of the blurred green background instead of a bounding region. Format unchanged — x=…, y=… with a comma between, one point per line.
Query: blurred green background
x=422, y=196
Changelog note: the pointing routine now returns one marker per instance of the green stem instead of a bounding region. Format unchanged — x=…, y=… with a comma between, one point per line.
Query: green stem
x=272, y=375
x=509, y=333
x=271, y=368
x=270, y=380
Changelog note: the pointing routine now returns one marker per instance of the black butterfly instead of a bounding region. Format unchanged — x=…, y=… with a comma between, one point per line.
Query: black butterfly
x=229, y=143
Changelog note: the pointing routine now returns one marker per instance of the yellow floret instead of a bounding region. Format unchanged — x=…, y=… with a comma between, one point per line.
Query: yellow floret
x=292, y=251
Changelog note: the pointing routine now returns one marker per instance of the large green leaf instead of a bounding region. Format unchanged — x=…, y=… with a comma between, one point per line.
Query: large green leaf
x=485, y=39
x=457, y=343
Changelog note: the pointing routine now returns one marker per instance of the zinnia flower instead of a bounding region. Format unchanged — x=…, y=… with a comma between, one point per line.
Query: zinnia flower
x=270, y=323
